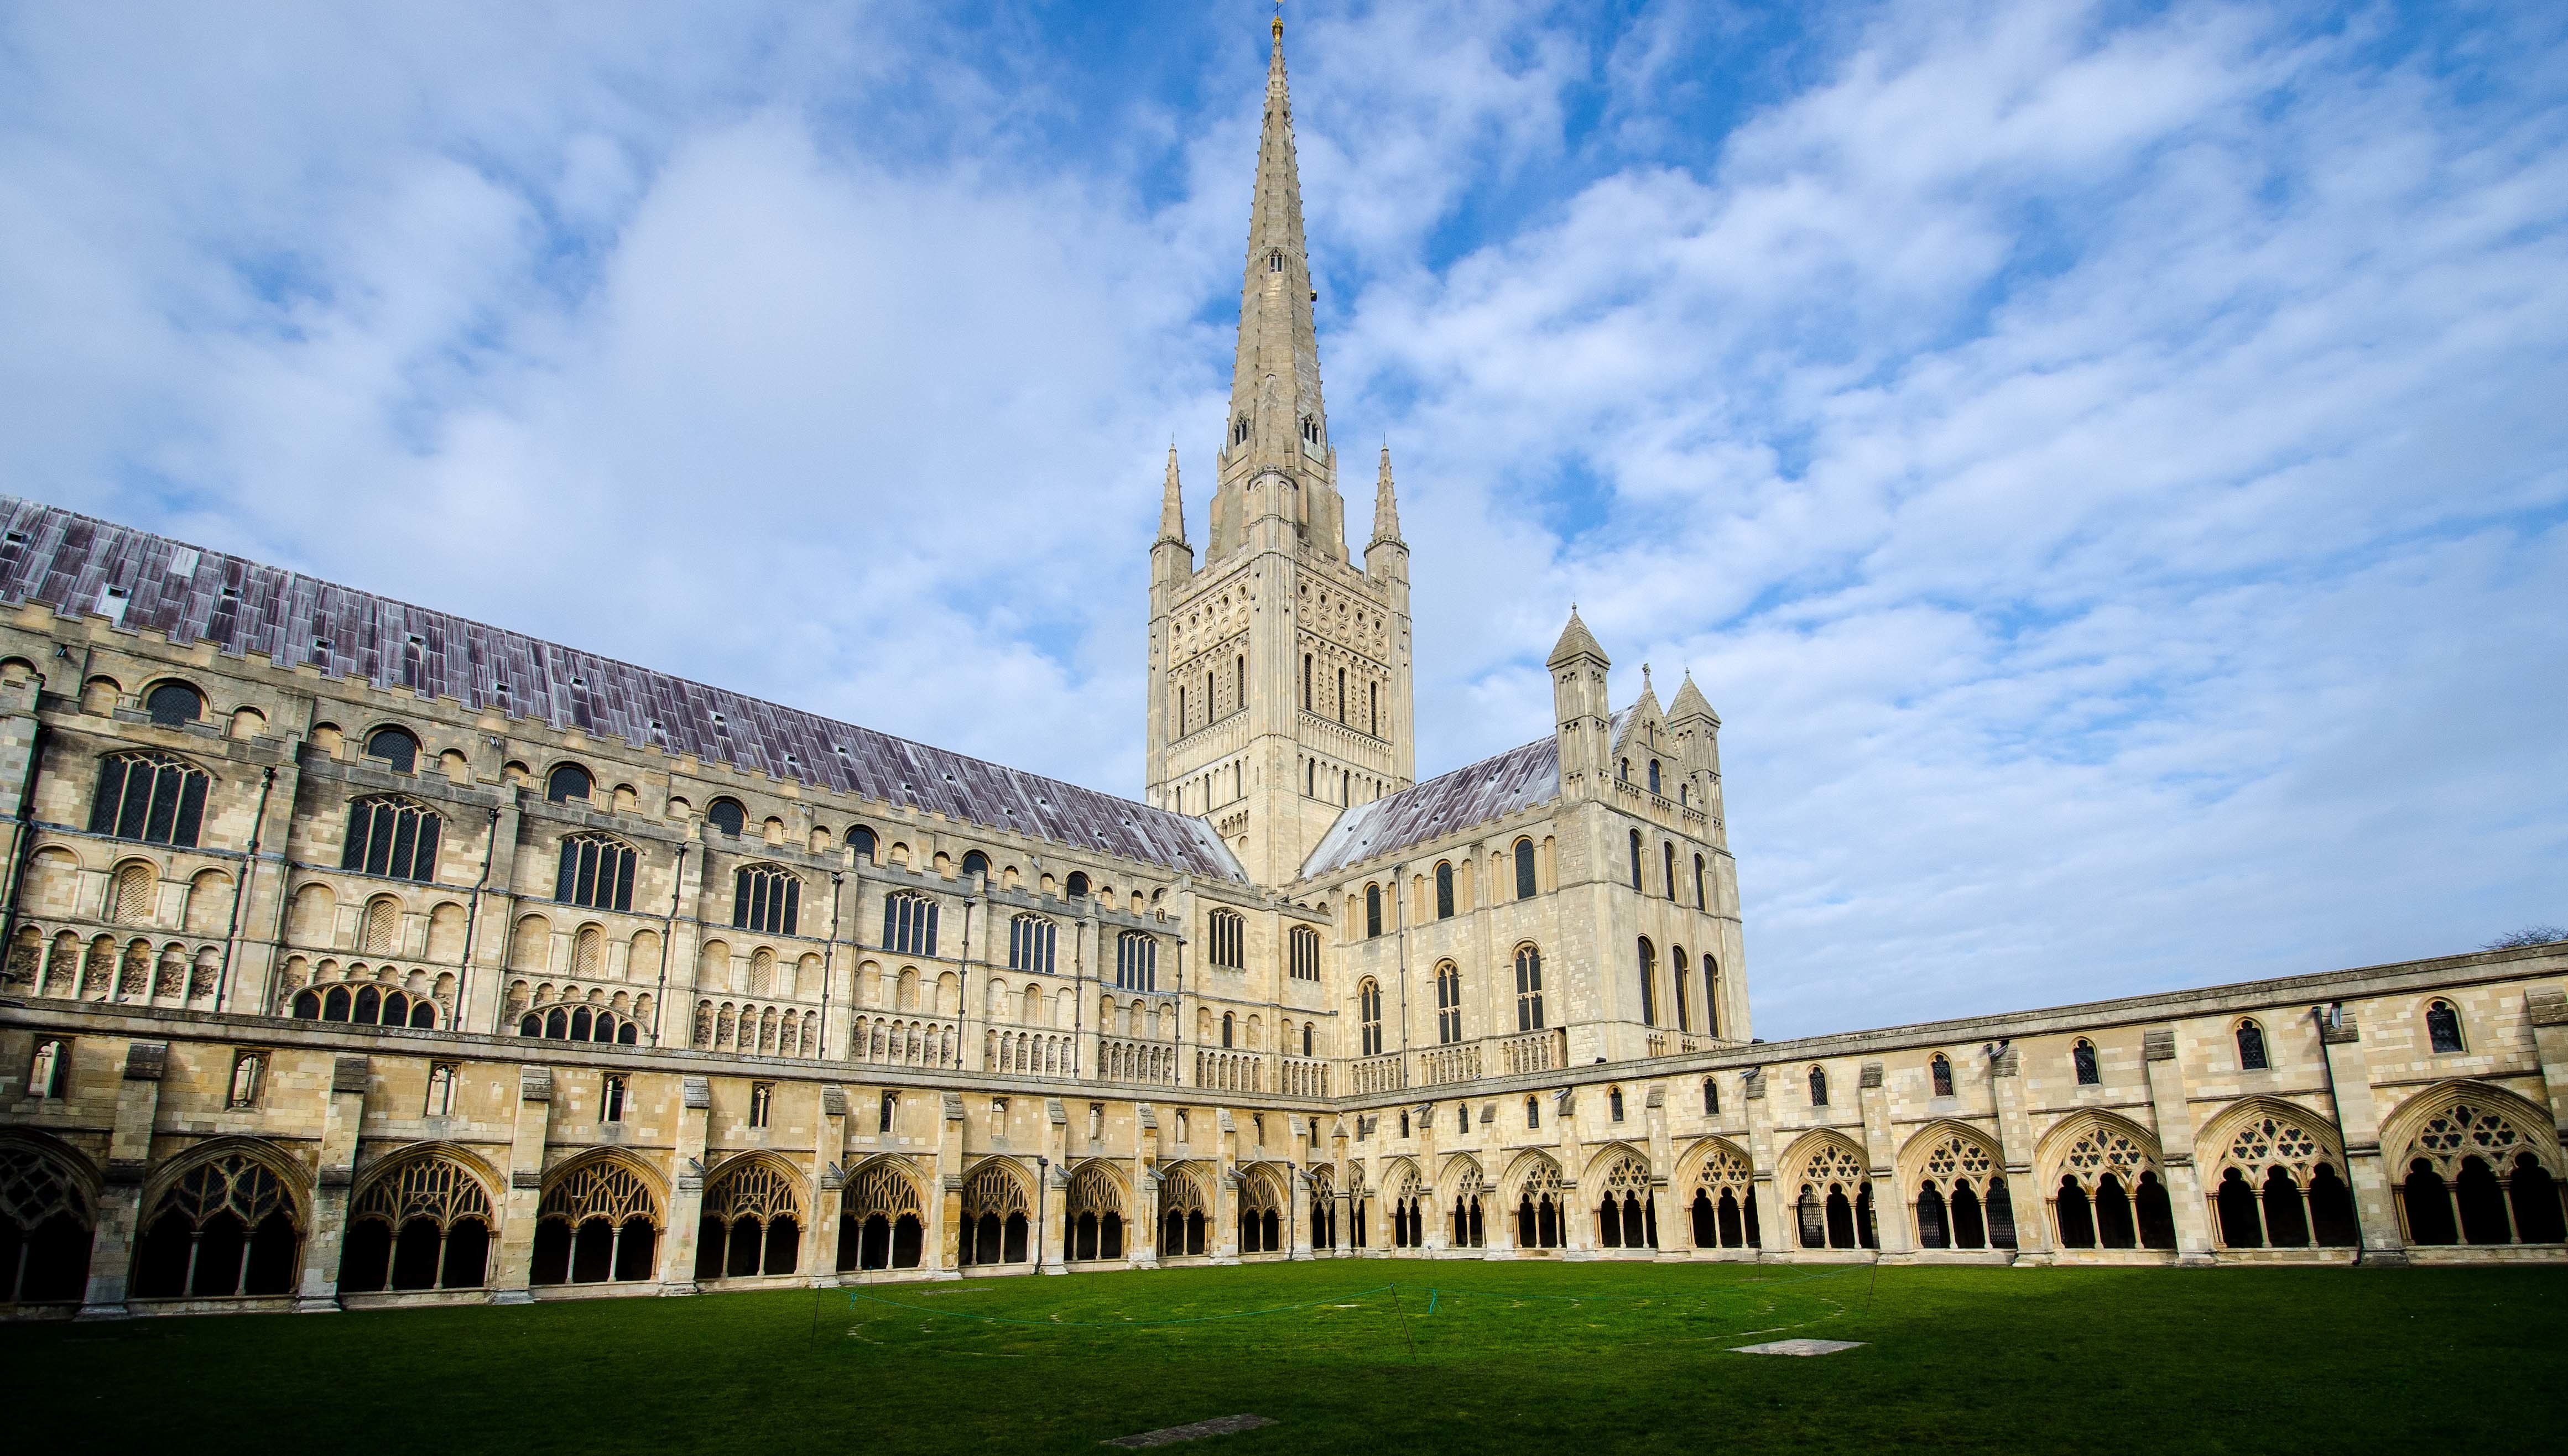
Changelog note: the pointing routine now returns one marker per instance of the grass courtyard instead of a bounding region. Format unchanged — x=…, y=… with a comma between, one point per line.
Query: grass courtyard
x=1381, y=1356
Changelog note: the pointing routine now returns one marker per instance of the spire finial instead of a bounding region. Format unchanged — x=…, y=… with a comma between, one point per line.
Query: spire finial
x=1172, y=517
x=1386, y=508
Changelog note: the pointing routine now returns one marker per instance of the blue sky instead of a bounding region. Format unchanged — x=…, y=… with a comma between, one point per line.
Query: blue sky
x=2106, y=463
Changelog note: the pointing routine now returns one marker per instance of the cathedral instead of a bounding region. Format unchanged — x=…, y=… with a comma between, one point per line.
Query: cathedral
x=361, y=955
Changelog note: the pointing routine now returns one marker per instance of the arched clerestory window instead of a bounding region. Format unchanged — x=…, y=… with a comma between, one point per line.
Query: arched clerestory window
x=1373, y=911
x=2081, y=1060
x=1368, y=1016
x=1444, y=890
x=154, y=798
x=392, y=837
x=596, y=871
x=568, y=782
x=394, y=748
x=1448, y=1003
x=1528, y=988
x=766, y=899
x=1524, y=869
x=173, y=703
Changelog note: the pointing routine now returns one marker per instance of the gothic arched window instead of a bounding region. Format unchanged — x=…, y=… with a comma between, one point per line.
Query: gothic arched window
x=174, y=703
x=1710, y=1097
x=1636, y=859
x=225, y=1227
x=1136, y=962
x=1029, y=944
x=909, y=923
x=1654, y=776
x=1226, y=941
x=568, y=782
x=396, y=837
x=596, y=872
x=2083, y=1058
x=398, y=750
x=768, y=899
x=1668, y=854
x=155, y=798
x=1524, y=869
x=1373, y=911
x=2442, y=1026
x=1368, y=1016
x=2251, y=1047
x=1444, y=890
x=1940, y=1070
x=1699, y=903
x=1528, y=988
x=1649, y=982
x=1819, y=1087
x=1448, y=1003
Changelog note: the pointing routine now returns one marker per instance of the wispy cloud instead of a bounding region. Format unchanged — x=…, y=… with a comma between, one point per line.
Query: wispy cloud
x=2105, y=464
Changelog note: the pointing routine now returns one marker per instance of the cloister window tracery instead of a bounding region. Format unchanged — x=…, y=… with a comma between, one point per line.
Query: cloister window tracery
x=2277, y=1187
x=1834, y=1207
x=1094, y=1214
x=751, y=1222
x=1627, y=1215
x=424, y=1224
x=46, y=1227
x=2110, y=1195
x=1725, y=1203
x=2475, y=1177
x=600, y=1223
x=1542, y=1213
x=227, y=1226
x=1962, y=1199
x=880, y=1225
x=994, y=1215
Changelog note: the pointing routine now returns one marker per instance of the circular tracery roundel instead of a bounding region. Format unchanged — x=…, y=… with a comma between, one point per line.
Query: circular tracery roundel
x=2102, y=1150
x=1957, y=1156
x=1722, y=1169
x=2467, y=1128
x=1833, y=1164
x=2270, y=1140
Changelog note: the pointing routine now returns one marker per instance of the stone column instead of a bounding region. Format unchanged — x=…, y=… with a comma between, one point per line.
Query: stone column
x=317, y=1292
x=1676, y=1224
x=513, y=1270
x=2014, y=1153
x=1777, y=1228
x=1141, y=1239
x=2547, y=1008
x=1894, y=1216
x=687, y=1188
x=129, y=1158
x=944, y=1238
x=828, y=1185
x=1223, y=1242
x=1055, y=1216
x=2175, y=1118
x=2358, y=1121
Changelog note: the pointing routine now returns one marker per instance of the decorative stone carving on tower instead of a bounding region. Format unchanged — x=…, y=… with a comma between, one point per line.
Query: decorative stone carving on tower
x=1280, y=686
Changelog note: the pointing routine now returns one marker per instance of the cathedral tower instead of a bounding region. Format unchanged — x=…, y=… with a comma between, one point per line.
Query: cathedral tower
x=1279, y=668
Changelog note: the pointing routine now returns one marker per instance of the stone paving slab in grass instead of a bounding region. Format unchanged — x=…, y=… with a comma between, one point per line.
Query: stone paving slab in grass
x=1169, y=1436
x=1795, y=1348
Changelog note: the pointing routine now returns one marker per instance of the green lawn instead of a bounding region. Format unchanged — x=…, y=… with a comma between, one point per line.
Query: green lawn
x=1381, y=1356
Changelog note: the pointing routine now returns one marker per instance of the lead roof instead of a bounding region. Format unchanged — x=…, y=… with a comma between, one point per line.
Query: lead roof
x=78, y=565
x=1475, y=793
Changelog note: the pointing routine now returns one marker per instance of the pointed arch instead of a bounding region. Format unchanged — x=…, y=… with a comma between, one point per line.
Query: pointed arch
x=48, y=1204
x=226, y=1217
x=1938, y=1136
x=1822, y=1152
x=425, y=1216
x=752, y=1219
x=2090, y=1143
x=1531, y=1168
x=2405, y=1132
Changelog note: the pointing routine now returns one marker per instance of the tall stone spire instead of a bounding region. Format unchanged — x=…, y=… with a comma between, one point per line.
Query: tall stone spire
x=1278, y=424
x=1386, y=509
x=1172, y=512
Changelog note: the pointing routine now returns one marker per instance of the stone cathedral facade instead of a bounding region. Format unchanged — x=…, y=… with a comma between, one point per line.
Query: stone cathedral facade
x=358, y=953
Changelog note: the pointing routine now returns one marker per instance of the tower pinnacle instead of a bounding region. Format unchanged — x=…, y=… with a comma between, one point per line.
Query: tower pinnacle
x=1172, y=514
x=1386, y=509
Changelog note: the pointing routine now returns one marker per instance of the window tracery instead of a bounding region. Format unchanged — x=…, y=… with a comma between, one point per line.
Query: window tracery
x=423, y=1223
x=879, y=1220
x=1541, y=1214
x=2111, y=1194
x=596, y=871
x=1725, y=1202
x=751, y=1222
x=600, y=1223
x=1263, y=1215
x=909, y=923
x=2472, y=1176
x=1835, y=1203
x=995, y=1211
x=766, y=899
x=1627, y=1217
x=46, y=1221
x=227, y=1226
x=393, y=836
